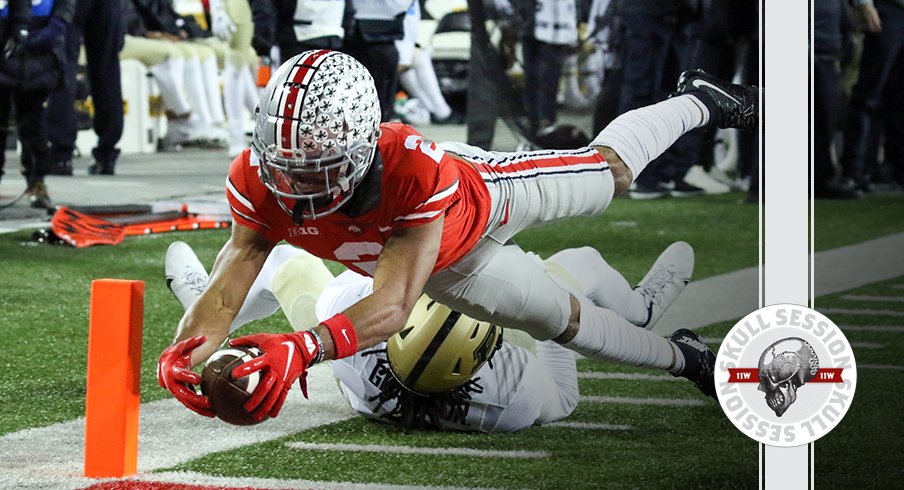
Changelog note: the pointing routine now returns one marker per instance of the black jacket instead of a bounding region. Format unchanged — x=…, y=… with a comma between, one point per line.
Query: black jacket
x=684, y=8
x=159, y=15
x=33, y=68
x=831, y=25
x=132, y=23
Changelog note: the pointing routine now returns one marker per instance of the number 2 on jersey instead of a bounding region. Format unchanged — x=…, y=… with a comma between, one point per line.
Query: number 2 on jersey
x=428, y=148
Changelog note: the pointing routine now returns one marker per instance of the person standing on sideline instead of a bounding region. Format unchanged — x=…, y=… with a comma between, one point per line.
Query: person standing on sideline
x=102, y=40
x=881, y=68
x=30, y=67
x=377, y=25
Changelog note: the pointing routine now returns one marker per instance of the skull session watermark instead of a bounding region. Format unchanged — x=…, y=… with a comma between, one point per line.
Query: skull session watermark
x=785, y=375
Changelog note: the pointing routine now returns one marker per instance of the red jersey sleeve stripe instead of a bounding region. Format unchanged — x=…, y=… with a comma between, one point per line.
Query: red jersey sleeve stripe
x=238, y=196
x=414, y=216
x=448, y=191
x=248, y=218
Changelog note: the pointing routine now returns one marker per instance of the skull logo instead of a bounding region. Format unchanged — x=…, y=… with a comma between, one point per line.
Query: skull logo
x=784, y=367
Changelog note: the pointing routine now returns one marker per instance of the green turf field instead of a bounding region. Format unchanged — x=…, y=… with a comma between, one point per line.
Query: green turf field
x=45, y=296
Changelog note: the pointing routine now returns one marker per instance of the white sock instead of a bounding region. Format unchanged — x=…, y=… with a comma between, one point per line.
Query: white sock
x=679, y=360
x=606, y=336
x=194, y=87
x=232, y=93
x=426, y=76
x=170, y=75
x=602, y=284
x=213, y=92
x=250, y=92
x=408, y=80
x=641, y=135
x=562, y=392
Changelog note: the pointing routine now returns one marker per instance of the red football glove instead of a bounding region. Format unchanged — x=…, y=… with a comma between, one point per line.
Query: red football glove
x=174, y=373
x=286, y=358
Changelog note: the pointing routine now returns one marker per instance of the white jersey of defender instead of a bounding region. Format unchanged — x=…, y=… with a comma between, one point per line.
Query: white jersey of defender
x=514, y=383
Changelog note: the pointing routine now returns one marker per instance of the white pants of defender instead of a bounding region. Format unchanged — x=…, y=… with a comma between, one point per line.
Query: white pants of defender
x=497, y=281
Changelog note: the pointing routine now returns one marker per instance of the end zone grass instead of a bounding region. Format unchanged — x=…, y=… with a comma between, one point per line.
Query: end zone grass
x=45, y=316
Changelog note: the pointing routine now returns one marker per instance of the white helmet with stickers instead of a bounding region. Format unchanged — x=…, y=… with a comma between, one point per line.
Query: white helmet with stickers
x=316, y=132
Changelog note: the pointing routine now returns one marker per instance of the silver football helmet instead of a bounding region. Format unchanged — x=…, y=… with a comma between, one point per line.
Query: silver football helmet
x=316, y=132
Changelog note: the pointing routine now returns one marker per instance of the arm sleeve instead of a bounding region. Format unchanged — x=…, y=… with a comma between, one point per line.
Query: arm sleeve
x=241, y=200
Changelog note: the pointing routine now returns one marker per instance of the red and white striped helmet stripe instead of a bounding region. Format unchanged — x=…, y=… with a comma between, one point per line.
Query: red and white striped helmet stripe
x=290, y=105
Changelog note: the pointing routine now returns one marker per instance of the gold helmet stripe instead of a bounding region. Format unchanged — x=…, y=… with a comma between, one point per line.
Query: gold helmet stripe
x=435, y=343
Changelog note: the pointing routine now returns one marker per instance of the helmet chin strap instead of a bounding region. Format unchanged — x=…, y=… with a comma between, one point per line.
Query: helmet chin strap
x=297, y=212
x=344, y=183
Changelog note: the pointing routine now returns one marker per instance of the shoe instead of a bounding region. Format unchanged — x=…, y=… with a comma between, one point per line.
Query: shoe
x=452, y=118
x=666, y=280
x=101, y=168
x=730, y=105
x=699, y=361
x=680, y=188
x=62, y=167
x=834, y=190
x=185, y=275
x=413, y=111
x=644, y=191
x=710, y=185
x=37, y=194
x=179, y=132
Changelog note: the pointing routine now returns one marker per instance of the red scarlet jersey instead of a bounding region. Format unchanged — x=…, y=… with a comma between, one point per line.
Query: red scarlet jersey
x=419, y=184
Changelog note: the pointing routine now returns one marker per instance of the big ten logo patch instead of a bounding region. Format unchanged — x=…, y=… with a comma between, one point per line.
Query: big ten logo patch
x=785, y=375
x=303, y=231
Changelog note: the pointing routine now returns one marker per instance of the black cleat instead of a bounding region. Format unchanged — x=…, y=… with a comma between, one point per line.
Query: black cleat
x=102, y=168
x=699, y=361
x=730, y=105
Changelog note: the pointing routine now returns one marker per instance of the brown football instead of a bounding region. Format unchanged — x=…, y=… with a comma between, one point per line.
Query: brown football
x=228, y=395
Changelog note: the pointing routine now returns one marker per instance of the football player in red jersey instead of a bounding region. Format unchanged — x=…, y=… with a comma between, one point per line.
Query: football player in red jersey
x=323, y=174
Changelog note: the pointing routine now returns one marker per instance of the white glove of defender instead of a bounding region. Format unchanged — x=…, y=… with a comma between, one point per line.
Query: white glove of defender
x=221, y=24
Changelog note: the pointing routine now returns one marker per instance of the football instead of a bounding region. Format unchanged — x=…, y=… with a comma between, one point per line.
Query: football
x=227, y=395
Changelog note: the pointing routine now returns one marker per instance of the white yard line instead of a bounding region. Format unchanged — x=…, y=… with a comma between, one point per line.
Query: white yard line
x=881, y=367
x=627, y=376
x=627, y=400
x=431, y=451
x=244, y=482
x=168, y=435
x=858, y=311
x=872, y=328
x=588, y=425
x=868, y=297
x=867, y=345
x=859, y=345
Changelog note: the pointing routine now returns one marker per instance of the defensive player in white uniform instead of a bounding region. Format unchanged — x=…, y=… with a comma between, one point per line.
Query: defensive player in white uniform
x=525, y=383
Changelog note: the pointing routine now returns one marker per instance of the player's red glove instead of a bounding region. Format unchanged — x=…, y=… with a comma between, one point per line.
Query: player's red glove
x=286, y=358
x=174, y=373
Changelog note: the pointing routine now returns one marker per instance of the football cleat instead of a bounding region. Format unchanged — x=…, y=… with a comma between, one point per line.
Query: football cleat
x=666, y=280
x=730, y=105
x=185, y=275
x=699, y=361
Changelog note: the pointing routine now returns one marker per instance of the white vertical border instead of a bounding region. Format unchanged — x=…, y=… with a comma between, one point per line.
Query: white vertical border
x=785, y=192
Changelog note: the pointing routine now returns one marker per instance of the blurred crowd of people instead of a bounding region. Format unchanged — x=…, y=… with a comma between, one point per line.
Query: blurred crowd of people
x=640, y=47
x=620, y=54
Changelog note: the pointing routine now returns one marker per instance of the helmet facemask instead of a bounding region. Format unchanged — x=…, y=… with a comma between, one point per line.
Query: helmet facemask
x=310, y=188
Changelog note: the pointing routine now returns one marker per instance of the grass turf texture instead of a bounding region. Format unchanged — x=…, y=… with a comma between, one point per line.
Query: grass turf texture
x=46, y=292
